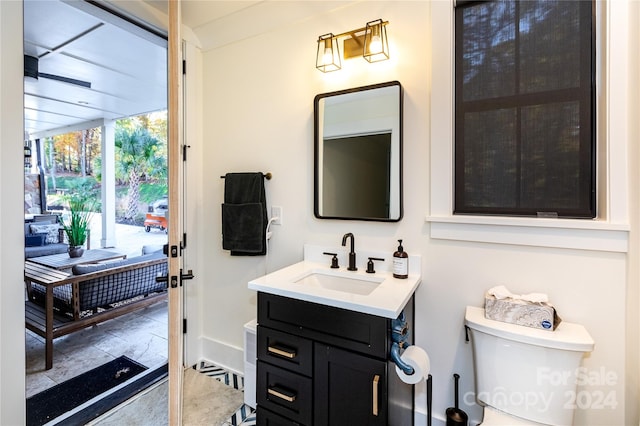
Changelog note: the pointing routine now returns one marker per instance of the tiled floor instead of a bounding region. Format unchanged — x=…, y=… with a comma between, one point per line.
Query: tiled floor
x=245, y=415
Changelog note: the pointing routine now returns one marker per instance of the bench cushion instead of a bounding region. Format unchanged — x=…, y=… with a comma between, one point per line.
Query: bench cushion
x=89, y=268
x=45, y=250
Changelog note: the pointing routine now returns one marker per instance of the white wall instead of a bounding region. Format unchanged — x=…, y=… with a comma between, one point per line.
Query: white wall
x=258, y=116
x=12, y=359
x=194, y=216
x=632, y=405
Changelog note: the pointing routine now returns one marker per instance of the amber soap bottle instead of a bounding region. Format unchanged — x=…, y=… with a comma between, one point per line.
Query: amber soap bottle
x=400, y=262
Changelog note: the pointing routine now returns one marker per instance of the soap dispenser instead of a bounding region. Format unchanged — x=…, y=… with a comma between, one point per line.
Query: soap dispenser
x=400, y=262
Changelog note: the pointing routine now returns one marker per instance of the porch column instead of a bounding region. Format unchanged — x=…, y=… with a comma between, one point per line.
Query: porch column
x=108, y=238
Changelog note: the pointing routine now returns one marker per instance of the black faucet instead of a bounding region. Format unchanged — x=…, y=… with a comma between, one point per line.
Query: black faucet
x=352, y=253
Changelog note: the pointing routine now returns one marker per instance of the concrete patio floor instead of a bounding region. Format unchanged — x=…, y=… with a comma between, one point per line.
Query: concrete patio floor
x=129, y=238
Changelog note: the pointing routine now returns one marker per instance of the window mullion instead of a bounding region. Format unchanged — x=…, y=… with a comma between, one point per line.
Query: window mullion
x=518, y=133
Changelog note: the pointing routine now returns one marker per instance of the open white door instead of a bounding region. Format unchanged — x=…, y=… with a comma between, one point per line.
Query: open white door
x=174, y=143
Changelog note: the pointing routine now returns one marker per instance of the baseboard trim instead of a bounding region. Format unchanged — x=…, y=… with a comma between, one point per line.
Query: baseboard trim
x=224, y=355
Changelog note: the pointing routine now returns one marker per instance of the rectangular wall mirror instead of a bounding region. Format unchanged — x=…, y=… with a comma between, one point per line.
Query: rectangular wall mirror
x=358, y=153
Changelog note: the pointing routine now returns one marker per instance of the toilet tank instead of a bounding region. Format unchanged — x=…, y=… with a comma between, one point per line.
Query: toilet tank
x=526, y=372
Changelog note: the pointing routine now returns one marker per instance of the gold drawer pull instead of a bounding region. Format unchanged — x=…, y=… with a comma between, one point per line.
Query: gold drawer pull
x=282, y=351
x=280, y=394
x=376, y=379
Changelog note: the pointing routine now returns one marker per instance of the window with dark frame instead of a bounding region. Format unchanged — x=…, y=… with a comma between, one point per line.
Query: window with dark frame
x=524, y=108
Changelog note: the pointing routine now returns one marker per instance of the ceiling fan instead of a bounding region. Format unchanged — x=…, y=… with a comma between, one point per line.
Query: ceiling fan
x=31, y=70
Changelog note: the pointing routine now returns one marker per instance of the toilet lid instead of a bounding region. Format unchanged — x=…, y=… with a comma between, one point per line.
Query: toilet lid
x=493, y=417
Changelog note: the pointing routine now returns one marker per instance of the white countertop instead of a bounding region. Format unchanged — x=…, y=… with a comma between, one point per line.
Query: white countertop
x=386, y=300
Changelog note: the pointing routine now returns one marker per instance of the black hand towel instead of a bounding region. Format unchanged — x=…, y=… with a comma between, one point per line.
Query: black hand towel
x=244, y=214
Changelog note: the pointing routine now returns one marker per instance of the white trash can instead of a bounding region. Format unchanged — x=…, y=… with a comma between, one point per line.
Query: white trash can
x=250, y=355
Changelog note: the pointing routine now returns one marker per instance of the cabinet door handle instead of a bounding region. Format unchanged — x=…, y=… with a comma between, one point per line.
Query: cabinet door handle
x=282, y=394
x=282, y=351
x=376, y=379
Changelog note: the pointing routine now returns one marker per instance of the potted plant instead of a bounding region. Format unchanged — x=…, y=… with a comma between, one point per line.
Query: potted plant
x=77, y=225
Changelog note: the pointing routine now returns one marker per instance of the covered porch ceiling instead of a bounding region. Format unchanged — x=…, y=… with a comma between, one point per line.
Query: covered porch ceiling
x=92, y=67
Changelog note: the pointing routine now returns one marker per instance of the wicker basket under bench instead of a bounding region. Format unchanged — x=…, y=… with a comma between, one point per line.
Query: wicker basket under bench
x=78, y=301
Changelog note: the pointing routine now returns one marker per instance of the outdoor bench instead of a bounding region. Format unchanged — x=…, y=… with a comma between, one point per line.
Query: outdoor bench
x=62, y=302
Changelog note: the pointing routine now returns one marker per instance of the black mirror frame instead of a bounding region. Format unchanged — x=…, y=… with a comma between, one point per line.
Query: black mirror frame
x=316, y=148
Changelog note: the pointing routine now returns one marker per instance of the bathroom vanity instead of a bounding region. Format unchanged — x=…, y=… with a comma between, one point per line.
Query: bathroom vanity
x=323, y=345
x=320, y=365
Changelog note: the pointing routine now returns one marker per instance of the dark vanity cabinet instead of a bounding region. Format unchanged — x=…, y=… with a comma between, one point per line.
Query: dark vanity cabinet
x=320, y=365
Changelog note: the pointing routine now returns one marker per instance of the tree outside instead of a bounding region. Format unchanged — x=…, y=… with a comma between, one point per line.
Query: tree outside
x=74, y=159
x=140, y=156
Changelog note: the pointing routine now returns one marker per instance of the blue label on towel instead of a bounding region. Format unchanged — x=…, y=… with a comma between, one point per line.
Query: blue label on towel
x=546, y=324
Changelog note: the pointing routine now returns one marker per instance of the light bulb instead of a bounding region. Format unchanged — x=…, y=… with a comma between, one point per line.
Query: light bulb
x=376, y=44
x=327, y=58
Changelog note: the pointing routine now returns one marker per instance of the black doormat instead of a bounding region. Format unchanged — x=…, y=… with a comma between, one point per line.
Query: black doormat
x=53, y=402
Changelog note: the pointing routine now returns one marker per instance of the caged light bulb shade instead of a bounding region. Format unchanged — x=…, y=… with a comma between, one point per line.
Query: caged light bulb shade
x=328, y=55
x=376, y=45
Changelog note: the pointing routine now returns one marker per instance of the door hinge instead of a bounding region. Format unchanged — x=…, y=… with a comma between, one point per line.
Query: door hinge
x=184, y=152
x=184, y=326
x=184, y=66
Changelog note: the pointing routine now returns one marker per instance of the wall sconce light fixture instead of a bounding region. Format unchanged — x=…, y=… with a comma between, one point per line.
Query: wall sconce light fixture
x=370, y=42
x=328, y=56
x=376, y=45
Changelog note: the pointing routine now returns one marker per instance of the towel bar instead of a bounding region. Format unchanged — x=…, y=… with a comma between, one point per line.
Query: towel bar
x=267, y=176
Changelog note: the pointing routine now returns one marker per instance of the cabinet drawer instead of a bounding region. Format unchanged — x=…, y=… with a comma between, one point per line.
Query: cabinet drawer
x=267, y=418
x=364, y=333
x=285, y=350
x=285, y=393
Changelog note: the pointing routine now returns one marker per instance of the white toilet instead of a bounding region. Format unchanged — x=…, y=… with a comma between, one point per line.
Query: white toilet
x=524, y=375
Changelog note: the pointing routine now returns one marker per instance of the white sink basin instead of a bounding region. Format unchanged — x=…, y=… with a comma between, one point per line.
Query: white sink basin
x=313, y=280
x=327, y=279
